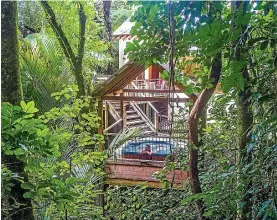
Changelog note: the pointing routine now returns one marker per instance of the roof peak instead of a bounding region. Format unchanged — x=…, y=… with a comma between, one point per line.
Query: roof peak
x=124, y=28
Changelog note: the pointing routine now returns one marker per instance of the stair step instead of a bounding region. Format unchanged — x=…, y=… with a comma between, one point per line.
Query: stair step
x=148, y=132
x=135, y=122
x=133, y=117
x=144, y=127
x=130, y=112
x=145, y=130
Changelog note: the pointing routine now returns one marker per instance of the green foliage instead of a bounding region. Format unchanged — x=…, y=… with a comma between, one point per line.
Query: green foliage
x=59, y=147
x=43, y=63
x=23, y=134
x=56, y=149
x=143, y=203
x=218, y=173
x=29, y=16
x=120, y=12
x=6, y=185
x=95, y=46
x=247, y=46
x=222, y=189
x=197, y=35
x=6, y=176
x=75, y=118
x=43, y=69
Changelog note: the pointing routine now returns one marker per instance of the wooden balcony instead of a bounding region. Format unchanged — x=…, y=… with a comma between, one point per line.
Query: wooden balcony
x=135, y=172
x=131, y=164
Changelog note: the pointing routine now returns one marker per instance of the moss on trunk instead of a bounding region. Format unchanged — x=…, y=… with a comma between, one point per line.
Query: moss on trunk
x=244, y=112
x=12, y=92
x=11, y=84
x=244, y=123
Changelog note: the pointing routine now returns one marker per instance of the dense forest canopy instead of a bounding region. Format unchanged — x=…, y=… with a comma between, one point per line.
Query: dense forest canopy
x=52, y=163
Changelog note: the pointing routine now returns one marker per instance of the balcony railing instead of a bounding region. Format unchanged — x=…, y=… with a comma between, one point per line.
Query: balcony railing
x=151, y=84
x=156, y=148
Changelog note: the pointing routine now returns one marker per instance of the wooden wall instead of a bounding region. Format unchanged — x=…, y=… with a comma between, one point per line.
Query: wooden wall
x=132, y=172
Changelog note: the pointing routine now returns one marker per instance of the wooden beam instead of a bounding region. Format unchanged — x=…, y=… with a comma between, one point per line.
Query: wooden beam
x=124, y=37
x=100, y=128
x=106, y=115
x=126, y=79
x=145, y=99
x=122, y=78
x=122, y=111
x=156, y=121
x=114, y=124
x=113, y=112
x=124, y=182
x=114, y=134
x=119, y=91
x=152, y=90
x=150, y=184
x=152, y=163
x=118, y=173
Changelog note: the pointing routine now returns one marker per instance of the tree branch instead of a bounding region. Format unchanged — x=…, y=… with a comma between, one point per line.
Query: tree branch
x=82, y=31
x=81, y=50
x=59, y=33
x=194, y=116
x=206, y=94
x=75, y=61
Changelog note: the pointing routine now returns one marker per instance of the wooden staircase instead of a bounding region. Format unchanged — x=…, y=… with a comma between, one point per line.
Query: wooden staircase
x=133, y=117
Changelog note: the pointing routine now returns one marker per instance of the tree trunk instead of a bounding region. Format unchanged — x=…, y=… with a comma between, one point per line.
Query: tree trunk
x=107, y=20
x=245, y=119
x=194, y=143
x=11, y=83
x=76, y=62
x=108, y=30
x=12, y=92
x=244, y=112
x=202, y=127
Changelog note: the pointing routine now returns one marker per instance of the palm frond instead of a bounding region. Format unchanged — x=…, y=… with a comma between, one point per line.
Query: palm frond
x=122, y=137
x=44, y=70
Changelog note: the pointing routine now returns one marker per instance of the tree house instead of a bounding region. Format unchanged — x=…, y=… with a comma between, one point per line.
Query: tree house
x=136, y=97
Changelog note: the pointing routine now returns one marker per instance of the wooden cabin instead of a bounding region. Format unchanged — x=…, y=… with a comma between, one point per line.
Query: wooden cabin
x=136, y=97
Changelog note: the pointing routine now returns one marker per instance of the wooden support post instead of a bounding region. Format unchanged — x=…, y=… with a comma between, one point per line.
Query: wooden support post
x=147, y=110
x=156, y=121
x=122, y=112
x=100, y=128
x=106, y=115
x=169, y=112
x=101, y=199
x=111, y=126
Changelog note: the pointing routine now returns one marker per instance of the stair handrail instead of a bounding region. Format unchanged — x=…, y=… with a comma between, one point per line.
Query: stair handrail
x=149, y=103
x=156, y=112
x=141, y=113
x=114, y=113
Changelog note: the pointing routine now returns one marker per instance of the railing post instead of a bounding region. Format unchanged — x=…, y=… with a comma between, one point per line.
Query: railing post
x=147, y=111
x=100, y=128
x=156, y=122
x=123, y=112
x=106, y=115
